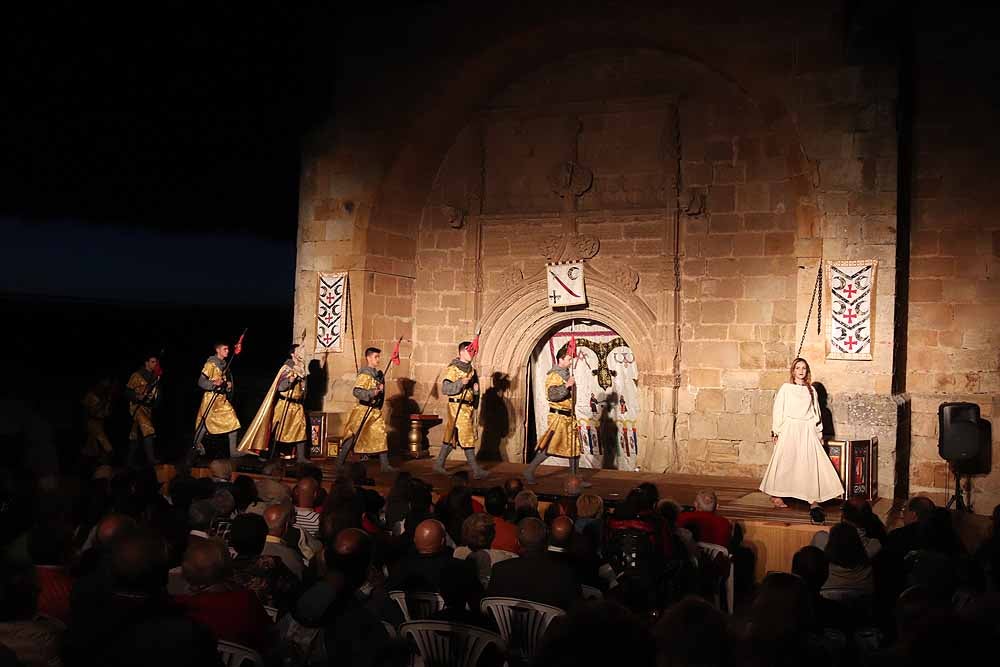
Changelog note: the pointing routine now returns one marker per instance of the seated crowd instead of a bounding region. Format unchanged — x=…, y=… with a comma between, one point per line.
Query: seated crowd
x=126, y=570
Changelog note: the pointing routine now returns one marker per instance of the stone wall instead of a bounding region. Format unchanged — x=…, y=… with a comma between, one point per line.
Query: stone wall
x=953, y=351
x=721, y=177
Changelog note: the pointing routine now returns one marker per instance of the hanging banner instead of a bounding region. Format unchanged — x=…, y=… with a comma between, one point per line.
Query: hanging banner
x=330, y=312
x=565, y=285
x=852, y=309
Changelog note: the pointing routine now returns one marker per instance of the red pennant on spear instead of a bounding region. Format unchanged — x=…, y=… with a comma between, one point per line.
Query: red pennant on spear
x=238, y=348
x=473, y=348
x=394, y=359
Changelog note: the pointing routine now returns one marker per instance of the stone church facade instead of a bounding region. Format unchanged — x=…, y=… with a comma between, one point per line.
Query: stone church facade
x=702, y=169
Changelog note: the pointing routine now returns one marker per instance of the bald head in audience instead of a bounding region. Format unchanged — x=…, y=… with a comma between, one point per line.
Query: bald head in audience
x=429, y=536
x=277, y=517
x=111, y=526
x=206, y=562
x=351, y=555
x=304, y=493
x=562, y=532
x=532, y=534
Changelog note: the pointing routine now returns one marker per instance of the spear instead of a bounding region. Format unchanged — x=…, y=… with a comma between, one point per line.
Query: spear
x=225, y=369
x=393, y=360
x=473, y=350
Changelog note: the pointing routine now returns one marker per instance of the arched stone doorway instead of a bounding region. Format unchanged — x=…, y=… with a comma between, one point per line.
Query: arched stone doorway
x=608, y=403
x=513, y=326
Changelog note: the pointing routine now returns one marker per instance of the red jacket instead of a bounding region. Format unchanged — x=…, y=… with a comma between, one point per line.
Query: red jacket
x=234, y=616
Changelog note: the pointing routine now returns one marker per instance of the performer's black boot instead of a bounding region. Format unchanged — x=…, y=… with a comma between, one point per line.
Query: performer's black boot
x=574, y=466
x=477, y=472
x=529, y=474
x=442, y=457
x=345, y=448
x=300, y=453
x=234, y=443
x=383, y=459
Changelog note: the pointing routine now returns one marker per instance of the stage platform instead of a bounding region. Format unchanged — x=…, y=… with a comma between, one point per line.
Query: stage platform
x=773, y=534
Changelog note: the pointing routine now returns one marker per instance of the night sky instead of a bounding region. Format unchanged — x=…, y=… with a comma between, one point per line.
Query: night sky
x=151, y=150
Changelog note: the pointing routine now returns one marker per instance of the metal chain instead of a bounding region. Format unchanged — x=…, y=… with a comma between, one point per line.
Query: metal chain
x=817, y=297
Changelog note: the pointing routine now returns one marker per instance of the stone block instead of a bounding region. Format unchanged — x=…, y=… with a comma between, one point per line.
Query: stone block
x=748, y=244
x=718, y=312
x=741, y=332
x=710, y=400
x=737, y=400
x=779, y=243
x=844, y=174
x=755, y=452
x=724, y=267
x=696, y=173
x=929, y=267
x=925, y=289
x=725, y=223
x=719, y=150
x=717, y=245
x=752, y=197
x=443, y=281
x=728, y=172
x=736, y=426
x=712, y=355
x=753, y=312
x=703, y=377
x=704, y=425
x=722, y=199
x=723, y=452
x=960, y=243
x=973, y=316
x=751, y=355
x=725, y=288
x=693, y=267
x=733, y=379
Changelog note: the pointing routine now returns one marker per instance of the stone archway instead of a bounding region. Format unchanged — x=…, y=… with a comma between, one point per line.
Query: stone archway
x=513, y=325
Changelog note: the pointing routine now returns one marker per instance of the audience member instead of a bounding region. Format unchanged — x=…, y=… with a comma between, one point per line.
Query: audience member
x=232, y=613
x=452, y=510
x=589, y=514
x=525, y=506
x=511, y=487
x=278, y=518
x=477, y=536
x=781, y=622
x=304, y=497
x=705, y=523
x=988, y=554
x=692, y=632
x=432, y=560
x=222, y=473
x=811, y=565
x=505, y=532
x=909, y=536
x=135, y=623
x=597, y=634
x=200, y=517
x=266, y=576
x=850, y=573
x=244, y=492
x=48, y=547
x=34, y=641
x=536, y=575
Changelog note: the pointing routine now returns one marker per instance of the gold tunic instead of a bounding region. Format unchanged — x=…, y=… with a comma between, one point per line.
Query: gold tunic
x=372, y=439
x=561, y=438
x=98, y=410
x=142, y=421
x=222, y=418
x=460, y=413
x=291, y=414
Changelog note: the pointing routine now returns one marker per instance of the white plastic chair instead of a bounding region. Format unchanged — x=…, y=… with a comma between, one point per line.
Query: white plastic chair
x=417, y=605
x=390, y=629
x=272, y=612
x=522, y=624
x=591, y=592
x=235, y=655
x=444, y=644
x=713, y=551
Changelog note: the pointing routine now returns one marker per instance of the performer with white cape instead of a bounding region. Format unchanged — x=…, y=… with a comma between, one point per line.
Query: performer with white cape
x=799, y=467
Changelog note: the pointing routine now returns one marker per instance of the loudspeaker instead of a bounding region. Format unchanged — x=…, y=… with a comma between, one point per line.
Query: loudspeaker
x=960, y=432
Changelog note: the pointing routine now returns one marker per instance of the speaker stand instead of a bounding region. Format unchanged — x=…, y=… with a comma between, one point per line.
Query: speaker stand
x=957, y=498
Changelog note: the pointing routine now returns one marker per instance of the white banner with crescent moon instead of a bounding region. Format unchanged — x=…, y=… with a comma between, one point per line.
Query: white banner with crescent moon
x=852, y=309
x=565, y=285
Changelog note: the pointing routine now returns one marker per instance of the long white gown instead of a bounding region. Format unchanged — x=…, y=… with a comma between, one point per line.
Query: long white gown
x=799, y=467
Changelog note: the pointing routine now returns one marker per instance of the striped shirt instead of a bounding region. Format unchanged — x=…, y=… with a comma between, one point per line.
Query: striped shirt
x=307, y=520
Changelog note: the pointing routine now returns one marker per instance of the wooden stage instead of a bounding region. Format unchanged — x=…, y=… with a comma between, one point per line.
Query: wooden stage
x=773, y=534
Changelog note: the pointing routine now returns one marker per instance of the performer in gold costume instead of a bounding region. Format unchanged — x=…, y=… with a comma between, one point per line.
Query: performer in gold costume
x=142, y=392
x=561, y=438
x=290, y=428
x=366, y=435
x=461, y=385
x=221, y=418
x=97, y=404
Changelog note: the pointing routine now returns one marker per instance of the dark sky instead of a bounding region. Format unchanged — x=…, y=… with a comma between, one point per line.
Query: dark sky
x=159, y=142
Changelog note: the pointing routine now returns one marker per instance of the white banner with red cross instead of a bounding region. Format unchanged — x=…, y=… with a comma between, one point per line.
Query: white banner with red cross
x=330, y=312
x=852, y=309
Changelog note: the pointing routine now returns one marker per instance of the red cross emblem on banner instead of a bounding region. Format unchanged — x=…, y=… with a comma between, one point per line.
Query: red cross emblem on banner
x=850, y=290
x=850, y=316
x=850, y=342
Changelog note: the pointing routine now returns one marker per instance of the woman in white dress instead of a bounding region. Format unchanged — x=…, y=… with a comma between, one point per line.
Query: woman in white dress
x=799, y=467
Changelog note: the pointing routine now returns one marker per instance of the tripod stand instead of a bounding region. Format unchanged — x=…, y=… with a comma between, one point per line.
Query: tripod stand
x=957, y=498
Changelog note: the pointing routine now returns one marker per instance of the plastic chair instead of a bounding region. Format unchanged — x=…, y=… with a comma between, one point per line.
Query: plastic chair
x=444, y=644
x=591, y=593
x=522, y=624
x=272, y=612
x=390, y=629
x=417, y=605
x=235, y=655
x=714, y=551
